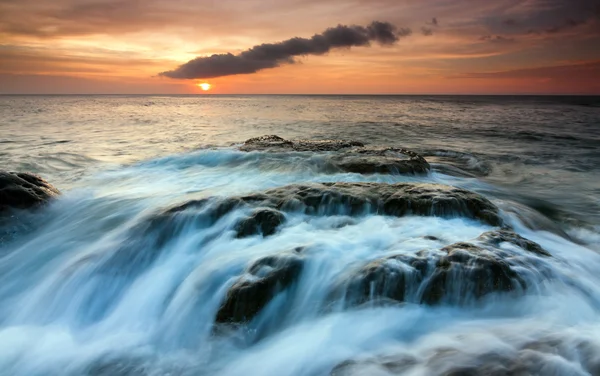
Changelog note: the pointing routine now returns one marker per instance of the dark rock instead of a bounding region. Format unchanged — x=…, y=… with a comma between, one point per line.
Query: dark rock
x=383, y=161
x=459, y=273
x=398, y=200
x=24, y=191
x=351, y=156
x=262, y=221
x=469, y=271
x=390, y=199
x=263, y=280
x=504, y=236
x=276, y=143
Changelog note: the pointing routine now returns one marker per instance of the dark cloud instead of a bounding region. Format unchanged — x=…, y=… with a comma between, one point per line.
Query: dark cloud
x=565, y=25
x=434, y=21
x=427, y=31
x=544, y=17
x=497, y=39
x=588, y=70
x=271, y=55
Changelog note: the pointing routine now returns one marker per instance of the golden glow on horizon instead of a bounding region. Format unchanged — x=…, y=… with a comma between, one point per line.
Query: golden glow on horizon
x=205, y=86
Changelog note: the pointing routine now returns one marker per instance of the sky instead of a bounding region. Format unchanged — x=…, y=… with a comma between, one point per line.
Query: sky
x=300, y=46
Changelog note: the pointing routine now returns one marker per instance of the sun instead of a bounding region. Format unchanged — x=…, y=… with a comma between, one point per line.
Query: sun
x=204, y=86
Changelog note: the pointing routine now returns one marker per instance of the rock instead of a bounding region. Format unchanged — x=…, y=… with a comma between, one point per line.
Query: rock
x=118, y=367
x=469, y=271
x=350, y=156
x=262, y=221
x=278, y=144
x=548, y=355
x=24, y=190
x=264, y=279
x=381, y=161
x=386, y=365
x=390, y=199
x=459, y=273
x=398, y=200
x=503, y=236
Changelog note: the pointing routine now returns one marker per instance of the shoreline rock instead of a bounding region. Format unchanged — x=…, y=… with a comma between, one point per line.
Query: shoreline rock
x=261, y=282
x=349, y=156
x=459, y=273
x=400, y=199
x=22, y=190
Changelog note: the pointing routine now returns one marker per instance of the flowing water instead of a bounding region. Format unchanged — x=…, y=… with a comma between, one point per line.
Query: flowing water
x=87, y=287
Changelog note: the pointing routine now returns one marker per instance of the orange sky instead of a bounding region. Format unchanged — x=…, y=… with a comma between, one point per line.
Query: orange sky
x=456, y=46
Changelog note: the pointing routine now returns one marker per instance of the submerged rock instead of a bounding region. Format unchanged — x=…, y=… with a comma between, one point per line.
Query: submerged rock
x=264, y=279
x=550, y=355
x=457, y=273
x=20, y=190
x=261, y=221
x=387, y=365
x=350, y=156
x=382, y=161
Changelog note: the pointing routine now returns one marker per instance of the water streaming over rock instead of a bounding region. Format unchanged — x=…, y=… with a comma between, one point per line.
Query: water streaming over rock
x=221, y=261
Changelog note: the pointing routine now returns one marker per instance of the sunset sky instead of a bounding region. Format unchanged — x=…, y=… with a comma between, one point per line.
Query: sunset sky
x=445, y=46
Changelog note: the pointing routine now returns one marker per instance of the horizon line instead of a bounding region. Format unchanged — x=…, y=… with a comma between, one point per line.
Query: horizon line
x=304, y=94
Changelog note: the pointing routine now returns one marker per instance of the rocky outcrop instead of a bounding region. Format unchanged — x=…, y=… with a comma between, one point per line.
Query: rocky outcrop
x=495, y=262
x=458, y=273
x=20, y=190
x=275, y=143
x=261, y=221
x=348, y=156
x=398, y=200
x=264, y=279
x=388, y=199
x=381, y=161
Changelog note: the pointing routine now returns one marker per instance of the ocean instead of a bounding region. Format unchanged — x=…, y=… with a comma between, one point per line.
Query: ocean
x=115, y=277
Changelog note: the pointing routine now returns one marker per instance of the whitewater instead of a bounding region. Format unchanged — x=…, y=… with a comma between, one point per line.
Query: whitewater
x=128, y=271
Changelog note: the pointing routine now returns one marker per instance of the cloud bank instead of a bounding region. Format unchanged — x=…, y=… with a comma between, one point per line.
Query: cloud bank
x=272, y=55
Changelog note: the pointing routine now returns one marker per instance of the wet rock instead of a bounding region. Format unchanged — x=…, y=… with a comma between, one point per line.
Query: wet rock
x=392, y=365
x=349, y=156
x=503, y=236
x=534, y=219
x=390, y=199
x=278, y=144
x=24, y=190
x=398, y=200
x=544, y=356
x=468, y=271
x=261, y=221
x=118, y=367
x=456, y=163
x=382, y=161
x=459, y=273
x=263, y=280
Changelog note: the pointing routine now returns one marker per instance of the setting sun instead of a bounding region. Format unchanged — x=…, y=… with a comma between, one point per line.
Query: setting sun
x=204, y=86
